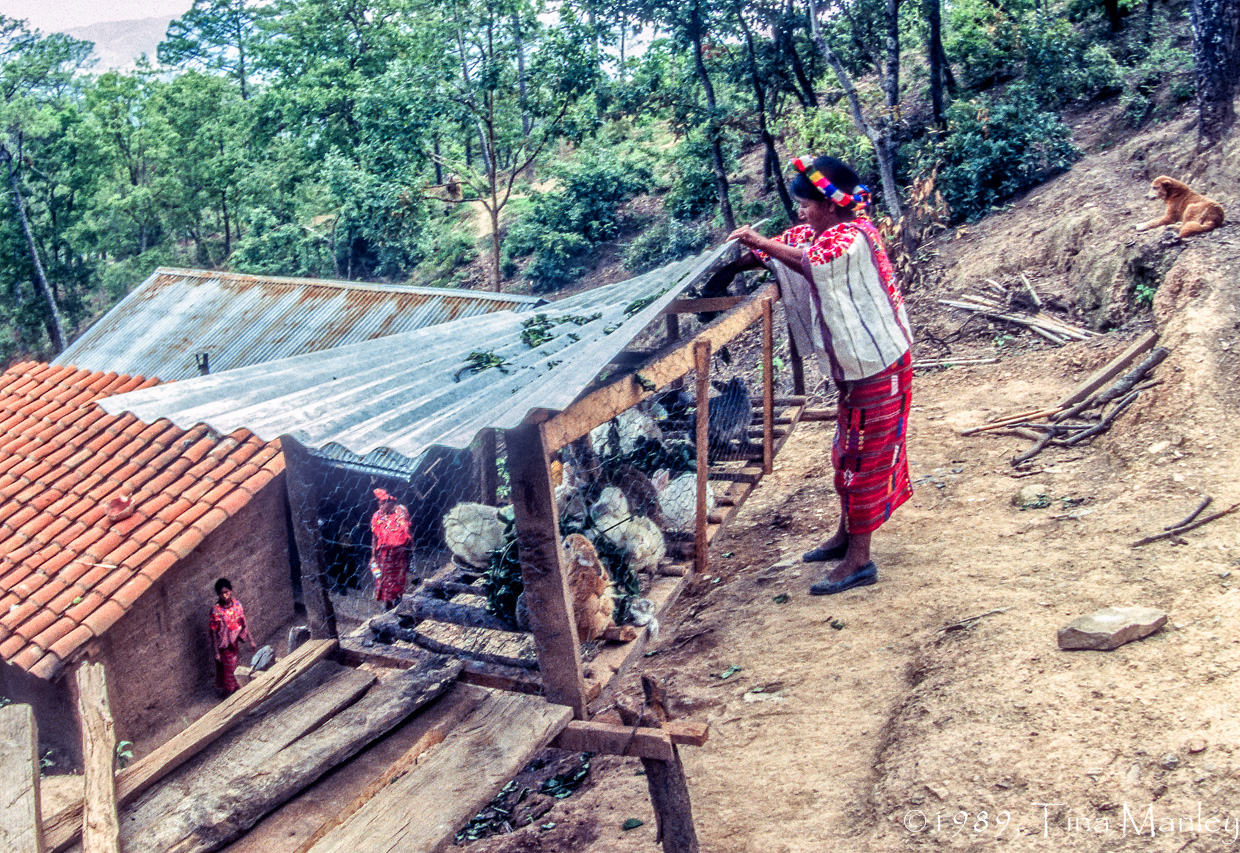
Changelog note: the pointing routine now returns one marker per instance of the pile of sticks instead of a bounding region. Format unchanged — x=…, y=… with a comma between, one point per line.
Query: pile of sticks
x=1022, y=307
x=1091, y=408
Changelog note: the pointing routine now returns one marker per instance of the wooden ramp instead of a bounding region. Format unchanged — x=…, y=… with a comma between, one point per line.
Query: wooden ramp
x=491, y=736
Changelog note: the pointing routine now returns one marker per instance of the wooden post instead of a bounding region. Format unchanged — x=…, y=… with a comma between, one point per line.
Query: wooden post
x=673, y=335
x=798, y=367
x=701, y=363
x=669, y=789
x=547, y=595
x=100, y=827
x=21, y=824
x=489, y=453
x=768, y=386
x=303, y=501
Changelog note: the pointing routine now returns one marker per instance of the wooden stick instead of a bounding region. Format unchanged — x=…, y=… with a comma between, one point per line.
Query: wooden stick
x=768, y=386
x=386, y=628
x=1006, y=422
x=1038, y=330
x=1189, y=518
x=669, y=788
x=1104, y=424
x=100, y=825
x=701, y=362
x=947, y=362
x=697, y=306
x=1038, y=447
x=21, y=822
x=1110, y=370
x=1132, y=377
x=422, y=607
x=1170, y=534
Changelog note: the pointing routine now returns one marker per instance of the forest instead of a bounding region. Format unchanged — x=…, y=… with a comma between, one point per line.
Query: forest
x=500, y=143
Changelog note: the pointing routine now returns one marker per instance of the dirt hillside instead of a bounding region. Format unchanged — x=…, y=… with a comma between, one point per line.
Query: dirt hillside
x=886, y=717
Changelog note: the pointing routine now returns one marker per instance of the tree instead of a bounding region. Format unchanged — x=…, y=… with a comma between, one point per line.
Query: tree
x=772, y=165
x=216, y=35
x=1216, y=53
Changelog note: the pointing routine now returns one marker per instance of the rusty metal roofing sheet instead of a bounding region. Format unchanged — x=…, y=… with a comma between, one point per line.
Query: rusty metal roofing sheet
x=438, y=386
x=240, y=320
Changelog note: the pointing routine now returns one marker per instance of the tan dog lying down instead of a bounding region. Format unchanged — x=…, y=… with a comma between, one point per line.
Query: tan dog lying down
x=1198, y=213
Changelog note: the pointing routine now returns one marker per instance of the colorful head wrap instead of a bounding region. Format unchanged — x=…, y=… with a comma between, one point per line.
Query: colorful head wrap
x=382, y=495
x=859, y=198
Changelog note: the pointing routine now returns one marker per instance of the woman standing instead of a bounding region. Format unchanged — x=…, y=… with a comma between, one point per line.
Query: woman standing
x=843, y=305
x=389, y=549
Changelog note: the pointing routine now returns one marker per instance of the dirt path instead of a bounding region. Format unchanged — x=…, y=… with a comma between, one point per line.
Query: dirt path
x=859, y=723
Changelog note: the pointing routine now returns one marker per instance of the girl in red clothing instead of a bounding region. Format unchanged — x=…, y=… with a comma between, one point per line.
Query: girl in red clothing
x=228, y=629
x=843, y=305
x=389, y=549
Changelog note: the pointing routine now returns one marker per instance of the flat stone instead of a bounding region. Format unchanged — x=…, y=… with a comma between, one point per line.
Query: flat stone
x=1110, y=628
x=1197, y=745
x=1033, y=496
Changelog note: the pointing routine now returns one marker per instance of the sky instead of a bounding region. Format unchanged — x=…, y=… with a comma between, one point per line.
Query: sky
x=58, y=15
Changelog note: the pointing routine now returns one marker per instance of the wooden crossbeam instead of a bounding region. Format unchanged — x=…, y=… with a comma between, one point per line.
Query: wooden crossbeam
x=697, y=306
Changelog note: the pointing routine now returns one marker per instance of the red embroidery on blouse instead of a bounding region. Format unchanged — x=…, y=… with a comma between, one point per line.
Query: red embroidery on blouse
x=837, y=240
x=390, y=529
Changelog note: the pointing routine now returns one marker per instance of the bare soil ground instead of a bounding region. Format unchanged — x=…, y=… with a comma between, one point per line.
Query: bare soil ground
x=876, y=720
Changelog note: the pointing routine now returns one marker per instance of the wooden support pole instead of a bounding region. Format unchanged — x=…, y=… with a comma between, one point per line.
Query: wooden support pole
x=303, y=504
x=701, y=363
x=768, y=386
x=100, y=826
x=21, y=824
x=489, y=461
x=547, y=595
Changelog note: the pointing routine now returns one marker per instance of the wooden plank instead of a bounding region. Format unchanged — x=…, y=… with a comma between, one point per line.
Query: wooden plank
x=610, y=739
x=100, y=825
x=768, y=386
x=697, y=306
x=542, y=568
x=440, y=719
x=701, y=364
x=217, y=809
x=21, y=828
x=623, y=393
x=1110, y=370
x=745, y=475
x=818, y=415
x=66, y=825
x=304, y=509
x=422, y=810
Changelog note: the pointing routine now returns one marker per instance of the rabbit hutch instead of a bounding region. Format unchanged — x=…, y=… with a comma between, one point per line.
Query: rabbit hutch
x=614, y=434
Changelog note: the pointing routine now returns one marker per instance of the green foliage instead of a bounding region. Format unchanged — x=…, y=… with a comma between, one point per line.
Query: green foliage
x=994, y=149
x=830, y=130
x=693, y=191
x=1161, y=79
x=665, y=241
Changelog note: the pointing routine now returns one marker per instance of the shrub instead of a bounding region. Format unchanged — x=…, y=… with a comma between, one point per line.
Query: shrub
x=693, y=191
x=828, y=130
x=665, y=241
x=994, y=149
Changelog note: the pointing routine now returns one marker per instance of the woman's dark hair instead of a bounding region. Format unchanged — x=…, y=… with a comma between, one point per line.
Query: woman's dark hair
x=836, y=171
x=222, y=584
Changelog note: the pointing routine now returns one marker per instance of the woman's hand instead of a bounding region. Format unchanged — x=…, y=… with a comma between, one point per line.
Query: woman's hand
x=748, y=237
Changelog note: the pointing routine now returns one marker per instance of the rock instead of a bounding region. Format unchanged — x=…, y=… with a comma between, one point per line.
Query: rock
x=1110, y=628
x=297, y=635
x=1134, y=775
x=1170, y=761
x=939, y=791
x=1197, y=745
x=1033, y=496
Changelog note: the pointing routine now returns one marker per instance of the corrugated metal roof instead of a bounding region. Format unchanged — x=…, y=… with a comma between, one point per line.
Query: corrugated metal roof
x=242, y=320
x=407, y=392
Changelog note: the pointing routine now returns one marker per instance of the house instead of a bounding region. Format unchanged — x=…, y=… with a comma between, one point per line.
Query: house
x=83, y=577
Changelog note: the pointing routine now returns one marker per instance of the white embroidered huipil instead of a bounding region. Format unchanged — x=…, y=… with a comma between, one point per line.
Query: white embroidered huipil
x=840, y=305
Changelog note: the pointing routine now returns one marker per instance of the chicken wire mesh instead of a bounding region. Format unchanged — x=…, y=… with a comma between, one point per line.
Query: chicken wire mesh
x=626, y=495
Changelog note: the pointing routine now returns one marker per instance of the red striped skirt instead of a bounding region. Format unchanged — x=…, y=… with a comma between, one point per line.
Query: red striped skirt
x=869, y=453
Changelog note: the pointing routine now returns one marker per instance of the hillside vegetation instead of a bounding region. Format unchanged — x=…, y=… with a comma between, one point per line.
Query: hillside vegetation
x=510, y=145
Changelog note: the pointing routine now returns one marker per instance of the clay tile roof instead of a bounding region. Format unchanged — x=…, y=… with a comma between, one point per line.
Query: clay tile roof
x=67, y=574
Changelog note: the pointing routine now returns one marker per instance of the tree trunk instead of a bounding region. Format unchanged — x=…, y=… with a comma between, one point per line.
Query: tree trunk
x=934, y=52
x=713, y=131
x=1112, y=9
x=772, y=156
x=891, y=85
x=805, y=93
x=521, y=85
x=1216, y=51
x=891, y=197
x=55, y=327
x=227, y=223
x=435, y=160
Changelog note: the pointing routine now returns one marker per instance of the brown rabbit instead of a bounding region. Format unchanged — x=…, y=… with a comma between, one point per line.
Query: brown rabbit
x=594, y=598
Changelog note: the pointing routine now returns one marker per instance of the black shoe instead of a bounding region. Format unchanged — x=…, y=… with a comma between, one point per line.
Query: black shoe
x=864, y=576
x=821, y=555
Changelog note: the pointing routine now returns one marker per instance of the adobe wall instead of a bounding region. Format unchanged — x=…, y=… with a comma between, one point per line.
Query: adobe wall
x=158, y=655
x=54, y=711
